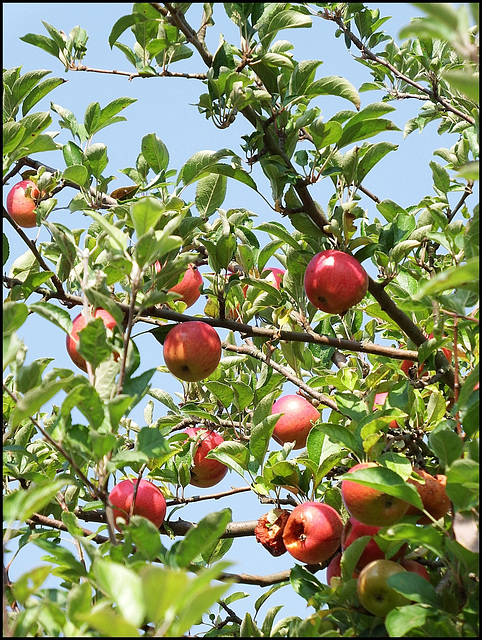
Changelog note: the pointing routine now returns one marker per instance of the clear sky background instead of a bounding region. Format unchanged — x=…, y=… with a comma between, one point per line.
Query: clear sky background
x=165, y=106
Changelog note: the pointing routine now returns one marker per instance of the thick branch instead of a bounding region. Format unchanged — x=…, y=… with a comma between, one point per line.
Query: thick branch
x=244, y=329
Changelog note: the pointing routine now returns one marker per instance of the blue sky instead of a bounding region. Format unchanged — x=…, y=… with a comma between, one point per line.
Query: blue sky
x=166, y=107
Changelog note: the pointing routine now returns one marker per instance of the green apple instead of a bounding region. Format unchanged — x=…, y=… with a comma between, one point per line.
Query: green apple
x=373, y=591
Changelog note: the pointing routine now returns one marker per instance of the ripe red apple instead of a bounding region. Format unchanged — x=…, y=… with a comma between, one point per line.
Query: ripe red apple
x=149, y=501
x=21, y=203
x=334, y=281
x=433, y=495
x=355, y=529
x=373, y=591
x=73, y=339
x=192, y=350
x=298, y=419
x=189, y=285
x=368, y=505
x=312, y=532
x=204, y=471
x=275, y=276
x=379, y=401
x=415, y=567
x=333, y=570
x=407, y=364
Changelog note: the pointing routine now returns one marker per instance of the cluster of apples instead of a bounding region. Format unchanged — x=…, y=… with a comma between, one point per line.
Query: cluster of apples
x=142, y=498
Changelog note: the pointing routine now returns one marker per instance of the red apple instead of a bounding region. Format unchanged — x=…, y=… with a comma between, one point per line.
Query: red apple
x=192, y=350
x=204, y=471
x=313, y=532
x=355, y=529
x=297, y=421
x=189, y=285
x=21, y=203
x=334, y=281
x=373, y=591
x=415, y=567
x=149, y=501
x=275, y=276
x=333, y=570
x=433, y=495
x=368, y=505
x=379, y=401
x=407, y=364
x=73, y=339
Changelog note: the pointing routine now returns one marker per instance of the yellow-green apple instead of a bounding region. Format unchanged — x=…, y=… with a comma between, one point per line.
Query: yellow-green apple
x=334, y=281
x=379, y=401
x=373, y=591
x=415, y=567
x=312, y=532
x=22, y=202
x=149, y=501
x=433, y=495
x=368, y=505
x=192, y=350
x=205, y=472
x=189, y=286
x=269, y=531
x=78, y=324
x=297, y=421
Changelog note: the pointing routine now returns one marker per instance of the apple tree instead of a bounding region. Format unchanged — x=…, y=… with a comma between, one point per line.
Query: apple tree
x=390, y=375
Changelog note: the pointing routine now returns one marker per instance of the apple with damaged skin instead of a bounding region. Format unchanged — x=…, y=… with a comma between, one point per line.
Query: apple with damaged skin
x=205, y=472
x=335, y=281
x=312, y=532
x=22, y=202
x=269, y=531
x=433, y=495
x=73, y=339
x=297, y=421
x=373, y=591
x=192, y=350
x=149, y=501
x=371, y=506
x=189, y=286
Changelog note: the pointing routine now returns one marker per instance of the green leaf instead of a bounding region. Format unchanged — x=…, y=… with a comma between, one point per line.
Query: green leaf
x=233, y=454
x=109, y=622
x=145, y=214
x=123, y=586
x=201, y=537
x=155, y=152
x=342, y=436
x=462, y=276
x=334, y=86
x=366, y=129
x=97, y=157
x=401, y=620
x=14, y=315
x=34, y=399
x=92, y=342
x=273, y=21
x=260, y=437
x=210, y=194
x=117, y=238
x=22, y=504
x=446, y=445
x=40, y=92
x=124, y=23
x=76, y=174
x=414, y=587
